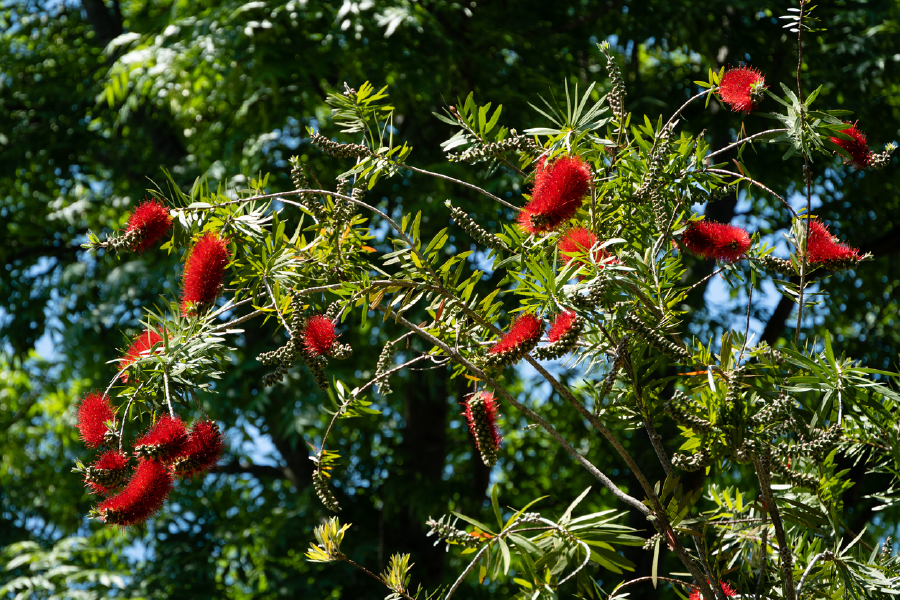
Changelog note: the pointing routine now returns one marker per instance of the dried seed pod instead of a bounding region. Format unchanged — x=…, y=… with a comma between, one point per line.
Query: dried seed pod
x=445, y=529
x=778, y=265
x=492, y=150
x=677, y=407
x=692, y=462
x=338, y=149
x=655, y=338
x=477, y=233
x=324, y=492
x=481, y=414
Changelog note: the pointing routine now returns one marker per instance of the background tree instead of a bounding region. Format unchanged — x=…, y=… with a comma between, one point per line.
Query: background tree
x=215, y=89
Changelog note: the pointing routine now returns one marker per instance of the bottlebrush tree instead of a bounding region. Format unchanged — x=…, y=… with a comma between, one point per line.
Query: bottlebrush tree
x=589, y=271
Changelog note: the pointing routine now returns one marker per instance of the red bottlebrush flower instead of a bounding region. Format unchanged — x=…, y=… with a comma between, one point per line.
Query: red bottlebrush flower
x=726, y=589
x=562, y=325
x=142, y=497
x=741, y=88
x=164, y=441
x=709, y=239
x=203, y=273
x=521, y=338
x=203, y=449
x=93, y=413
x=824, y=248
x=319, y=337
x=143, y=343
x=148, y=223
x=107, y=472
x=481, y=413
x=857, y=148
x=559, y=190
x=579, y=240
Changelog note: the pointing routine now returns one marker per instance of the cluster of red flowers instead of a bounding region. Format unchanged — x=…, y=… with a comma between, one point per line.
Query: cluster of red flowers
x=726, y=589
x=204, y=269
x=857, y=148
x=144, y=342
x=741, y=89
x=562, y=326
x=521, y=338
x=709, y=239
x=319, y=336
x=576, y=243
x=559, y=190
x=822, y=248
x=481, y=415
x=148, y=223
x=165, y=451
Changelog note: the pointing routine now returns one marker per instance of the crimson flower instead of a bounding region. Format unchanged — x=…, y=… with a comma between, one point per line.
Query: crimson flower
x=579, y=240
x=319, y=337
x=93, y=414
x=520, y=339
x=107, y=472
x=204, y=447
x=559, y=190
x=163, y=441
x=741, y=88
x=149, y=223
x=709, y=239
x=726, y=589
x=481, y=414
x=562, y=325
x=143, y=343
x=142, y=497
x=857, y=148
x=822, y=247
x=203, y=273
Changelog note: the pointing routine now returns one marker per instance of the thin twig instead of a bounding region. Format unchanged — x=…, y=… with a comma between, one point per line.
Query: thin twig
x=756, y=183
x=168, y=398
x=346, y=559
x=744, y=141
x=463, y=183
x=826, y=554
x=658, y=578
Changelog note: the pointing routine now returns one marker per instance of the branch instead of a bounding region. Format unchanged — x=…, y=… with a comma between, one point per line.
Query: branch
x=827, y=555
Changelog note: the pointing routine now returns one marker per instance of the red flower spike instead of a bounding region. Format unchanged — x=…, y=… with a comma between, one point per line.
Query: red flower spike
x=149, y=223
x=561, y=326
x=203, y=449
x=164, y=441
x=107, y=473
x=726, y=589
x=824, y=248
x=93, y=413
x=857, y=148
x=481, y=414
x=203, y=273
x=143, y=343
x=741, y=89
x=559, y=190
x=319, y=337
x=142, y=497
x=579, y=240
x=521, y=338
x=709, y=239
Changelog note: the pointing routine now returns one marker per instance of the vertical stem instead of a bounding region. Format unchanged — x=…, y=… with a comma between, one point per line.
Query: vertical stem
x=168, y=399
x=762, y=472
x=807, y=176
x=763, y=553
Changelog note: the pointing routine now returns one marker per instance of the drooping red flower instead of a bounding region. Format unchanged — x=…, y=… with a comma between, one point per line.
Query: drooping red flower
x=142, y=497
x=559, y=190
x=319, y=337
x=144, y=342
x=107, y=472
x=579, y=240
x=481, y=414
x=562, y=325
x=857, y=148
x=709, y=239
x=149, y=223
x=203, y=449
x=726, y=589
x=742, y=88
x=93, y=413
x=521, y=338
x=824, y=248
x=164, y=441
x=203, y=273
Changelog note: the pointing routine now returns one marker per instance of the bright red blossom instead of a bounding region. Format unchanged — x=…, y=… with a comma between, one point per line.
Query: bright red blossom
x=823, y=247
x=165, y=440
x=150, y=221
x=741, y=88
x=107, y=472
x=93, y=413
x=857, y=148
x=143, y=343
x=319, y=337
x=579, y=240
x=203, y=272
x=726, y=589
x=561, y=325
x=482, y=420
x=142, y=497
x=559, y=190
x=709, y=239
x=203, y=449
x=524, y=330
